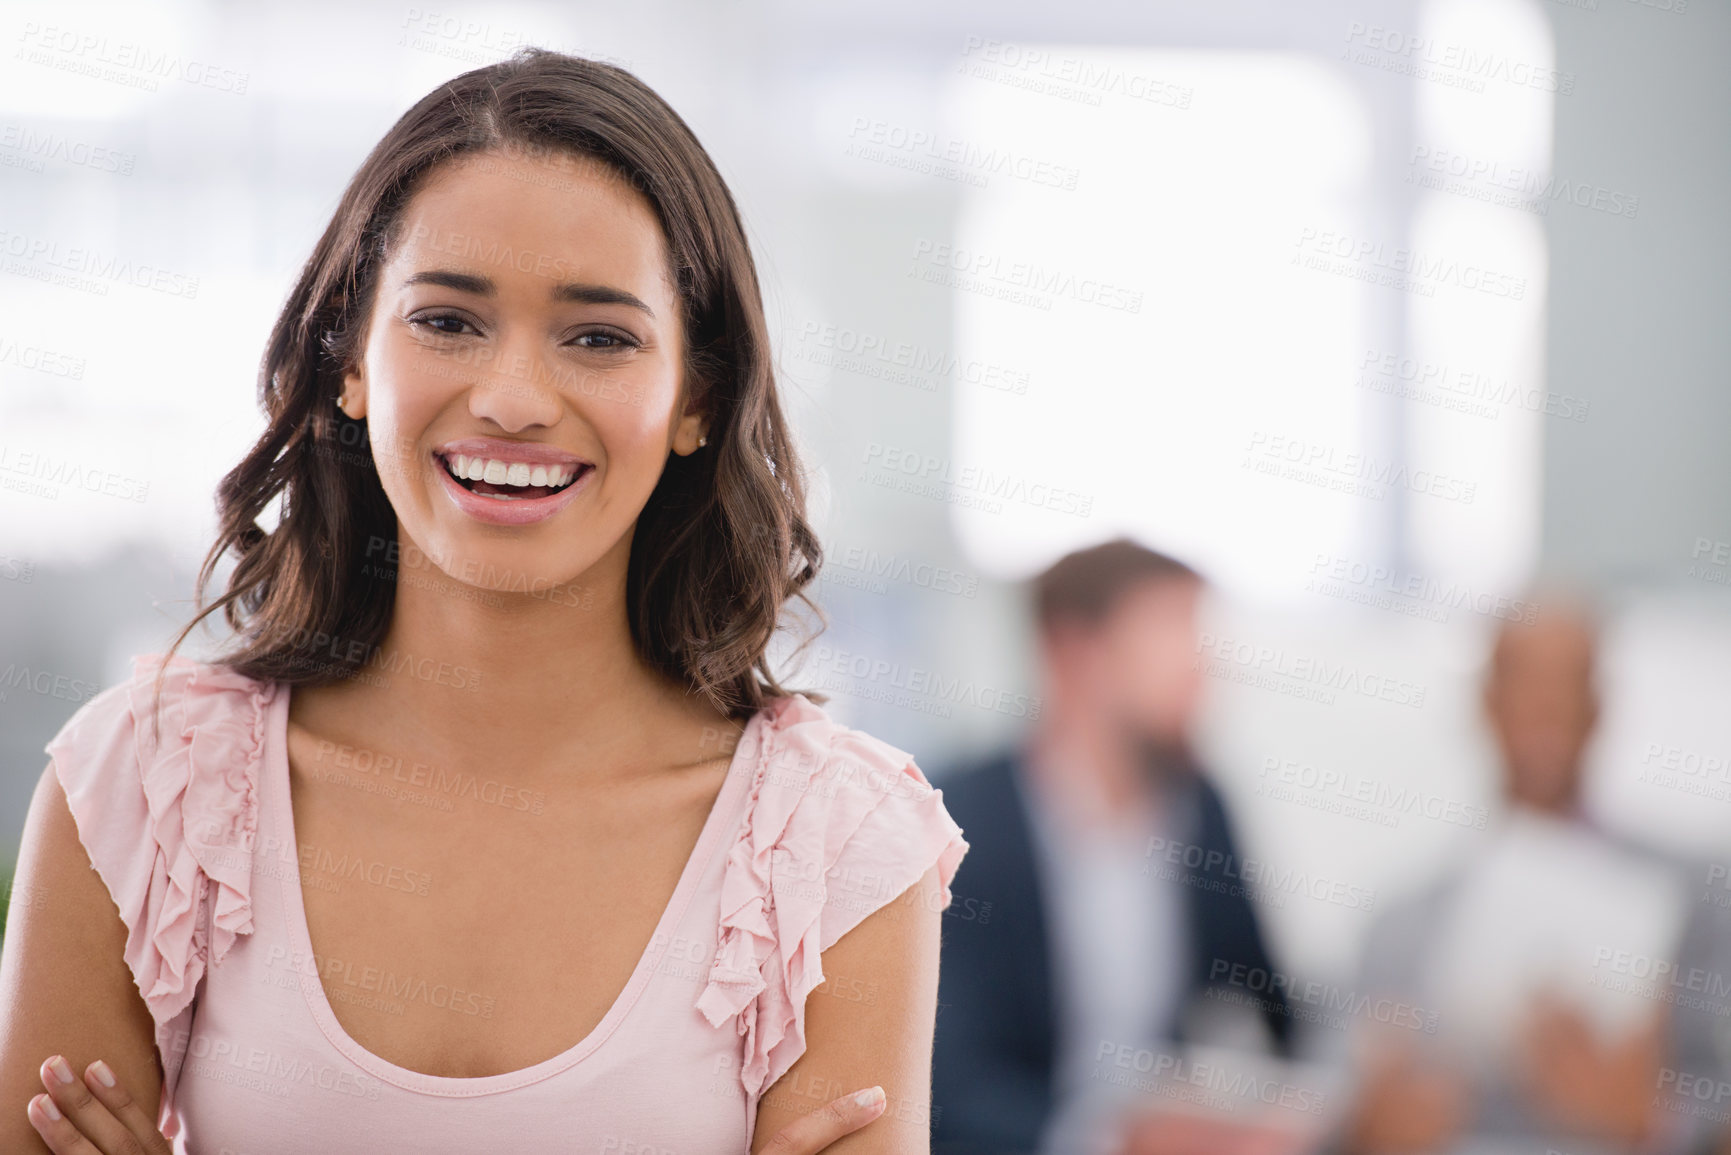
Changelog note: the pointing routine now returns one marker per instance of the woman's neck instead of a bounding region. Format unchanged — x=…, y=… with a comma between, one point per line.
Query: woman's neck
x=520, y=676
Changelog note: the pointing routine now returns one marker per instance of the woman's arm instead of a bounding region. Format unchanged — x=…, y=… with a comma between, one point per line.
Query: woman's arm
x=871, y=1024
x=64, y=985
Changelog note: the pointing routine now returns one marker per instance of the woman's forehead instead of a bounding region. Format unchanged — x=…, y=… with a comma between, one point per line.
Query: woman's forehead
x=536, y=216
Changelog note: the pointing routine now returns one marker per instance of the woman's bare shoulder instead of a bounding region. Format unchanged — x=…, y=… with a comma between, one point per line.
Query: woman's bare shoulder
x=65, y=988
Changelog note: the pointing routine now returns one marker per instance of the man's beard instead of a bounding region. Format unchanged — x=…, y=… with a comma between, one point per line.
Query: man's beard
x=1163, y=761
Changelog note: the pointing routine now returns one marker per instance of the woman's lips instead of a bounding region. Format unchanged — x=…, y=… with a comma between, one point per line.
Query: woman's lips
x=528, y=452
x=508, y=510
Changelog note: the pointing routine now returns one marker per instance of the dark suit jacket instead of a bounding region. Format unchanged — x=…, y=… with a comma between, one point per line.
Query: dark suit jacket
x=996, y=1044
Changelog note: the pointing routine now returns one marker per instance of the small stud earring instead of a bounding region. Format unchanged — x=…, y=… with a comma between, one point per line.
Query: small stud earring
x=702, y=441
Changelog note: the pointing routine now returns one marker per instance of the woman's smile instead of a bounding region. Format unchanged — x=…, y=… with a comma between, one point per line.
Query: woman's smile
x=509, y=482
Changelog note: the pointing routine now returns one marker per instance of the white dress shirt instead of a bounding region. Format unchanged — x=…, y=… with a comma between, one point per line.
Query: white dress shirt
x=1119, y=953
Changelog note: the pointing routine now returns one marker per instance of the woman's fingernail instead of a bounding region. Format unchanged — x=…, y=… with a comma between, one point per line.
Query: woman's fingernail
x=870, y=1097
x=102, y=1073
x=48, y=1108
x=61, y=1070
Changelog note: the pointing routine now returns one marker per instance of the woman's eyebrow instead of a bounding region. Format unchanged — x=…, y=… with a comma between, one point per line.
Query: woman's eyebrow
x=484, y=287
x=599, y=295
x=462, y=282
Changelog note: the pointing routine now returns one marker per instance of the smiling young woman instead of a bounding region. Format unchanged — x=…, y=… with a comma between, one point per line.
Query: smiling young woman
x=493, y=829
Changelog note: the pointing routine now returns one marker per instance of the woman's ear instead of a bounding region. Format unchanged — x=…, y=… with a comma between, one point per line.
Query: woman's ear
x=353, y=399
x=691, y=434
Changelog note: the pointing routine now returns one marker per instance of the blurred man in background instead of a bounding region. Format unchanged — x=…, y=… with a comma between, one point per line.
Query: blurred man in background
x=1114, y=888
x=1547, y=1041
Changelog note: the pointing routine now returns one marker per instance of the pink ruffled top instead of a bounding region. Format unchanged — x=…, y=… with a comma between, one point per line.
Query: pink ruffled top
x=186, y=817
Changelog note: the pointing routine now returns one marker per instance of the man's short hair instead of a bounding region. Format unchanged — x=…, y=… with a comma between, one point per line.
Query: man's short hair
x=1084, y=586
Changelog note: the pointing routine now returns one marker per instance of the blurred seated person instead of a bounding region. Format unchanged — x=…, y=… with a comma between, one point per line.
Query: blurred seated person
x=1538, y=1045
x=1106, y=880
x=1695, y=1084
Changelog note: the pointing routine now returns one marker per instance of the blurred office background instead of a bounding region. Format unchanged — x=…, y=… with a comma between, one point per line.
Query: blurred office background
x=1380, y=337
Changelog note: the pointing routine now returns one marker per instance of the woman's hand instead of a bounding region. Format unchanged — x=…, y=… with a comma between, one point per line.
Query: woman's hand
x=816, y=1130
x=94, y=1117
x=98, y=1117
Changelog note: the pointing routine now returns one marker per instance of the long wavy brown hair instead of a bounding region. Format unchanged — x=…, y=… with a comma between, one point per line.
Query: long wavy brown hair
x=723, y=541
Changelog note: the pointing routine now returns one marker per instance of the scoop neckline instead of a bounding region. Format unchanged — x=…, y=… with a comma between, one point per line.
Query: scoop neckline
x=300, y=934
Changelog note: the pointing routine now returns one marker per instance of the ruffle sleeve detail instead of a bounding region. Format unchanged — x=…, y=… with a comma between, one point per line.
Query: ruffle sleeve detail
x=839, y=825
x=166, y=803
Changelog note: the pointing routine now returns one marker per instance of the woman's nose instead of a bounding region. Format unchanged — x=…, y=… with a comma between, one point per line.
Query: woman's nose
x=520, y=389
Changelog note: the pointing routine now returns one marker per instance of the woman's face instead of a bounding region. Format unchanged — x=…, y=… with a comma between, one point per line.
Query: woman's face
x=525, y=337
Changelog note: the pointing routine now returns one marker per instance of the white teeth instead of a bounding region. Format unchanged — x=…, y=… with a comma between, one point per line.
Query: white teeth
x=517, y=473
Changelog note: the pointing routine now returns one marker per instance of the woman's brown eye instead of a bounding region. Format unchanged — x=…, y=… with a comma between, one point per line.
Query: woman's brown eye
x=614, y=340
x=445, y=324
